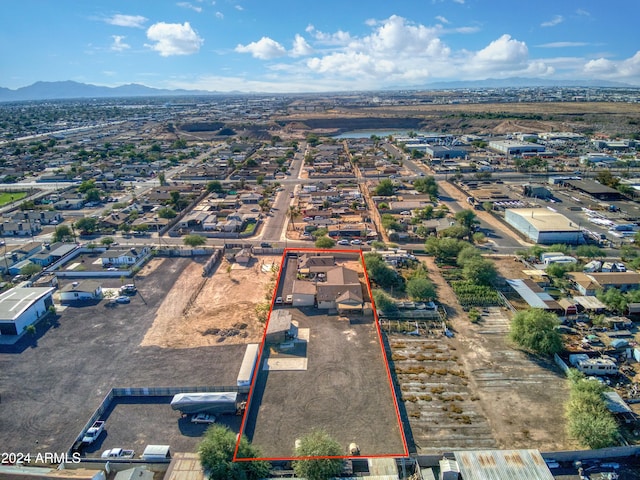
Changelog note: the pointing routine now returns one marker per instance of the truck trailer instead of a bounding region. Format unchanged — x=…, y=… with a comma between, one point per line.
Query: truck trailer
x=217, y=403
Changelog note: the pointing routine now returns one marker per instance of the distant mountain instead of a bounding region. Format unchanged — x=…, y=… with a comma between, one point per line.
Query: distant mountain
x=520, y=82
x=69, y=89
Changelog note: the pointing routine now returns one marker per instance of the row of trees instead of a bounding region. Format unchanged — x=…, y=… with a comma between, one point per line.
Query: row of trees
x=216, y=452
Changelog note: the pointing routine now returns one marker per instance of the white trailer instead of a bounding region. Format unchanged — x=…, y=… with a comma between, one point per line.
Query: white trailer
x=248, y=366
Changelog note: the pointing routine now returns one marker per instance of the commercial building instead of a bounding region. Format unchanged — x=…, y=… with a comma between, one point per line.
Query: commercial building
x=544, y=226
x=511, y=147
x=21, y=307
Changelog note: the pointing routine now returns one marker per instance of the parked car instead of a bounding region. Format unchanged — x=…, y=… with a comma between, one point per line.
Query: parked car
x=203, y=418
x=123, y=299
x=356, y=242
x=278, y=300
x=343, y=242
x=288, y=299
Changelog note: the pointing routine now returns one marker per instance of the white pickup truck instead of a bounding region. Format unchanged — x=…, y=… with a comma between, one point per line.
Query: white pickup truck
x=93, y=432
x=117, y=453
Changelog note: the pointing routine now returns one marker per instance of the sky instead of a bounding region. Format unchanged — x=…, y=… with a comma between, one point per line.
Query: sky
x=315, y=45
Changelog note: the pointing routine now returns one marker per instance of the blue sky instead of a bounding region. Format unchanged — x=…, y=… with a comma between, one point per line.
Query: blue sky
x=308, y=46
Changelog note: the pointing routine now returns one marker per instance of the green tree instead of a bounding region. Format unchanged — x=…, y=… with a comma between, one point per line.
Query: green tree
x=325, y=242
x=162, y=179
x=427, y=185
x=467, y=218
x=420, y=289
x=385, y=188
x=107, y=241
x=383, y=302
x=167, y=212
x=93, y=195
x=588, y=419
x=293, y=213
x=260, y=179
x=30, y=269
x=535, y=329
x=379, y=272
x=444, y=249
x=87, y=185
x=86, y=225
x=318, y=443
x=479, y=271
x=62, y=233
x=216, y=456
x=215, y=186
x=194, y=240
x=613, y=299
x=589, y=251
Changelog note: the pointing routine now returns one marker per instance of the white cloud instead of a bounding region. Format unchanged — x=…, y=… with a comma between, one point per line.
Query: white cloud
x=461, y=2
x=264, y=49
x=219, y=15
x=300, y=47
x=118, y=44
x=338, y=38
x=190, y=6
x=504, y=50
x=442, y=19
x=395, y=52
x=625, y=70
x=563, y=44
x=240, y=8
x=556, y=20
x=583, y=13
x=174, y=39
x=136, y=21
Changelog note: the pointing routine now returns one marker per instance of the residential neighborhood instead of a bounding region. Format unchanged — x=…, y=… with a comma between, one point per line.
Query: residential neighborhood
x=394, y=289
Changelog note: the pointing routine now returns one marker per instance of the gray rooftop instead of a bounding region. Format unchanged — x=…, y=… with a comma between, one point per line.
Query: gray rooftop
x=15, y=301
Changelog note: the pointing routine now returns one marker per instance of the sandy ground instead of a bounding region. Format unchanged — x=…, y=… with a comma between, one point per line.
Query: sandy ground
x=217, y=310
x=521, y=395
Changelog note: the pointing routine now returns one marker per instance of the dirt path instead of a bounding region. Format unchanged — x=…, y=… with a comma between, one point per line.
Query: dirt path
x=459, y=197
x=212, y=311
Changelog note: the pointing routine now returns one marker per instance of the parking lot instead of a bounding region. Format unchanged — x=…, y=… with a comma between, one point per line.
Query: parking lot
x=51, y=382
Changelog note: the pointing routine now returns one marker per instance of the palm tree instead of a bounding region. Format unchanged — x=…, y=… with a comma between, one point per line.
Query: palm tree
x=293, y=211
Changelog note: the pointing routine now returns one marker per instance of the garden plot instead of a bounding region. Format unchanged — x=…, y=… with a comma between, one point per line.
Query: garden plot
x=443, y=413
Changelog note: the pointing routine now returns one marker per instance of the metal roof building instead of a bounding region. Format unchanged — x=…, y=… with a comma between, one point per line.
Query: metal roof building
x=544, y=226
x=21, y=307
x=502, y=465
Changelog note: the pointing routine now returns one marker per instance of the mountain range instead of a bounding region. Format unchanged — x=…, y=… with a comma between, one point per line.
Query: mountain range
x=70, y=89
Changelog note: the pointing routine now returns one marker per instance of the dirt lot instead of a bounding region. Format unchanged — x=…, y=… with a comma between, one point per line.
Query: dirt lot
x=344, y=389
x=51, y=382
x=214, y=310
x=519, y=395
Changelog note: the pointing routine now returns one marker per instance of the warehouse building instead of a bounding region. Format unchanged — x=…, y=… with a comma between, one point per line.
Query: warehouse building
x=511, y=147
x=21, y=307
x=544, y=226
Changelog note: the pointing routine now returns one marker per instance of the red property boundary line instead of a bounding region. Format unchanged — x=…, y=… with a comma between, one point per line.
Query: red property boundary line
x=405, y=453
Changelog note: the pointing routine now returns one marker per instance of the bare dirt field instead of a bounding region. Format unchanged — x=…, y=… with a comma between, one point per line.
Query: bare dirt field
x=519, y=395
x=217, y=310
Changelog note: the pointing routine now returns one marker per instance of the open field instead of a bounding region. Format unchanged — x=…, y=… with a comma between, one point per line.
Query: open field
x=9, y=197
x=213, y=310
